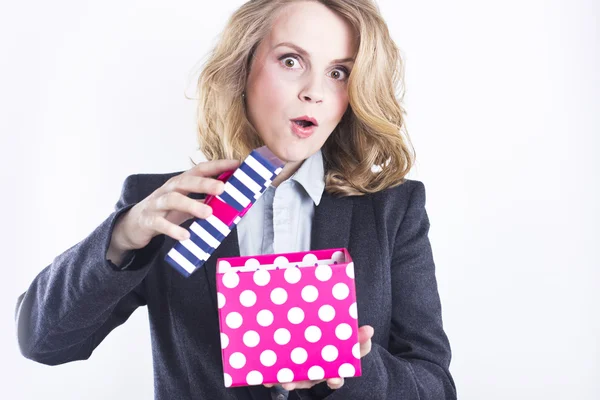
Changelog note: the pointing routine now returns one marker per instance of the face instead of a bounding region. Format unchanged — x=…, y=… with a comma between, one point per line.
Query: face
x=300, y=71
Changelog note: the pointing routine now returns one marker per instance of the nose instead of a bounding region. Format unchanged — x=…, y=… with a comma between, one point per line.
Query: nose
x=312, y=91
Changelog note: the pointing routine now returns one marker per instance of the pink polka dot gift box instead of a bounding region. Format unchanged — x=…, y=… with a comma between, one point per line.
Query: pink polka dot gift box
x=288, y=317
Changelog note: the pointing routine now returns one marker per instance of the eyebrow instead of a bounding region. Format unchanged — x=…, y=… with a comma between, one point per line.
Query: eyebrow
x=304, y=53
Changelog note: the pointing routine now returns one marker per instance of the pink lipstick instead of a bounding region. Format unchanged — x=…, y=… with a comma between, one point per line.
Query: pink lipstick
x=304, y=126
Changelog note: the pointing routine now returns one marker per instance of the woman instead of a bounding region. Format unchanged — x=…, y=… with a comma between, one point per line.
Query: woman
x=314, y=81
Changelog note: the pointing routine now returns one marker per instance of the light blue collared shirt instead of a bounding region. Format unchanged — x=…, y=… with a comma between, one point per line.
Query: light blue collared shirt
x=281, y=219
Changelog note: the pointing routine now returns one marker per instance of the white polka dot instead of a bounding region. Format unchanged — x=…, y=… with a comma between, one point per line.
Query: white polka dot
x=224, y=266
x=346, y=370
x=252, y=263
x=254, y=378
x=224, y=340
x=316, y=373
x=248, y=298
x=285, y=375
x=282, y=336
x=323, y=272
x=350, y=270
x=281, y=262
x=279, y=296
x=343, y=331
x=268, y=358
x=252, y=338
x=353, y=311
x=338, y=256
x=234, y=320
x=312, y=334
x=292, y=274
x=310, y=293
x=309, y=259
x=340, y=291
x=295, y=315
x=261, y=277
x=356, y=350
x=326, y=313
x=221, y=300
x=231, y=279
x=299, y=355
x=227, y=379
x=329, y=353
x=264, y=317
x=237, y=360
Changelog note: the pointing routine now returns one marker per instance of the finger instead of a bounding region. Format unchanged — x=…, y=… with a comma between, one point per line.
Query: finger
x=179, y=202
x=296, y=385
x=290, y=386
x=335, y=383
x=185, y=184
x=301, y=384
x=205, y=169
x=365, y=333
x=161, y=225
x=215, y=167
x=365, y=348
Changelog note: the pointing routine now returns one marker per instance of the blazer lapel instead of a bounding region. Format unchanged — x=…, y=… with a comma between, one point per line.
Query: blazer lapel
x=331, y=223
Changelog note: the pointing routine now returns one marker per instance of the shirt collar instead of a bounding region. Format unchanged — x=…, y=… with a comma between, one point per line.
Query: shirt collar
x=311, y=175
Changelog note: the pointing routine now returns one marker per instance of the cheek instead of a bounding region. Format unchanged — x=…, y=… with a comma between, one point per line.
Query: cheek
x=271, y=89
x=338, y=94
x=341, y=105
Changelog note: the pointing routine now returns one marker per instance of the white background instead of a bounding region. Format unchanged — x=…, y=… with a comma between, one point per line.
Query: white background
x=503, y=109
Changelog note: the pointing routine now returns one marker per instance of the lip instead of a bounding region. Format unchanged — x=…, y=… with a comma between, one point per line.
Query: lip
x=306, y=118
x=302, y=132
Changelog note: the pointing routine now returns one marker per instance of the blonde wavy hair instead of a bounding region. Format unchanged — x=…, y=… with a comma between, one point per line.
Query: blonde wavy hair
x=368, y=151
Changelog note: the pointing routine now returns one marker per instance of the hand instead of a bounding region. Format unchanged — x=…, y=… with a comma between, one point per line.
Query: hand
x=365, y=333
x=168, y=206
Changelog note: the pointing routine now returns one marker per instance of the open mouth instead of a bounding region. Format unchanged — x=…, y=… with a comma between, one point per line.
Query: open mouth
x=303, y=128
x=303, y=123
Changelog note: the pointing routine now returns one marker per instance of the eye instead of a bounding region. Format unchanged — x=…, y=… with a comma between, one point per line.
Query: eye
x=340, y=72
x=289, y=61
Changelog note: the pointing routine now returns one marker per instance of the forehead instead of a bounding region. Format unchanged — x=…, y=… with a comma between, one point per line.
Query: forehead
x=315, y=28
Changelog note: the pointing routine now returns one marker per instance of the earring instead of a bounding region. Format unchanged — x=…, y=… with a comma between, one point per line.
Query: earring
x=243, y=95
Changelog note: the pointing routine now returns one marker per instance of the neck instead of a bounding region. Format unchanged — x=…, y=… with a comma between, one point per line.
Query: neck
x=288, y=170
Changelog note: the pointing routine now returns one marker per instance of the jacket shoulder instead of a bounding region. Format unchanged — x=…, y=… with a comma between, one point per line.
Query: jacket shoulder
x=402, y=195
x=393, y=204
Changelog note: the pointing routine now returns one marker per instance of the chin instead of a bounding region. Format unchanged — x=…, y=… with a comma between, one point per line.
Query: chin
x=290, y=153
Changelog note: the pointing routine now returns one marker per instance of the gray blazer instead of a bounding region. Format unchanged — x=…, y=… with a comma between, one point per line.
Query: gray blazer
x=78, y=299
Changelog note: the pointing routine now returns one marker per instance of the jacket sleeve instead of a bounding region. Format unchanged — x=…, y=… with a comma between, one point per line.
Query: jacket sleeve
x=415, y=366
x=76, y=301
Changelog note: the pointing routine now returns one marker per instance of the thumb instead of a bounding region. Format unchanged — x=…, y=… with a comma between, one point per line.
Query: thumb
x=365, y=333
